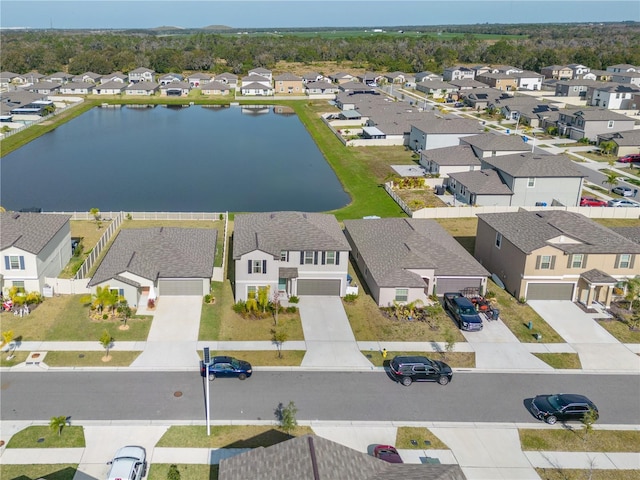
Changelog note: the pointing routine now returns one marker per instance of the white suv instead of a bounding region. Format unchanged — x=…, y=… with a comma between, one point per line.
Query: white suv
x=129, y=463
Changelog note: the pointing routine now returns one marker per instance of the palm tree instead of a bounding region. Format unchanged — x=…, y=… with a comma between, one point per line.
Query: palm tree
x=104, y=297
x=58, y=423
x=611, y=180
x=633, y=290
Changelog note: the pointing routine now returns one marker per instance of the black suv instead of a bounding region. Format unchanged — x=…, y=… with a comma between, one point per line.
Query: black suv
x=407, y=370
x=562, y=406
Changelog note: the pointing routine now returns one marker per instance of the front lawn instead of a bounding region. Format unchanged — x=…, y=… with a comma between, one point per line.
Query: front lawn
x=560, y=360
x=620, y=330
x=575, y=474
x=90, y=359
x=66, y=318
x=188, y=471
x=266, y=358
x=40, y=436
x=453, y=359
x=228, y=436
x=404, y=436
x=574, y=440
x=58, y=471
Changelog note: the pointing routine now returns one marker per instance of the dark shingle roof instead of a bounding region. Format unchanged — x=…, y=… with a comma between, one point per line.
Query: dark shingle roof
x=482, y=182
x=529, y=231
x=159, y=253
x=272, y=232
x=451, y=156
x=392, y=246
x=534, y=165
x=29, y=231
x=492, y=141
x=630, y=233
x=448, y=125
x=626, y=138
x=311, y=458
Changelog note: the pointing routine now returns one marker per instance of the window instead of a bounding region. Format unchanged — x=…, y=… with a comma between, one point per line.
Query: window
x=498, y=240
x=284, y=256
x=14, y=262
x=624, y=261
x=308, y=258
x=330, y=258
x=252, y=291
x=576, y=260
x=545, y=262
x=19, y=284
x=402, y=294
x=531, y=182
x=610, y=124
x=256, y=266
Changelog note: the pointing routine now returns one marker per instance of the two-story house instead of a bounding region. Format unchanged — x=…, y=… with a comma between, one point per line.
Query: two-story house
x=527, y=80
x=499, y=81
x=256, y=85
x=293, y=253
x=33, y=246
x=580, y=71
x=559, y=72
x=622, y=68
x=141, y=74
x=458, y=73
x=629, y=78
x=555, y=255
x=288, y=83
x=589, y=123
x=614, y=96
x=262, y=72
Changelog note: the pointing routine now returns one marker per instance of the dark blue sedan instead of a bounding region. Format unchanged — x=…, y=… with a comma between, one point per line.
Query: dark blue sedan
x=227, y=367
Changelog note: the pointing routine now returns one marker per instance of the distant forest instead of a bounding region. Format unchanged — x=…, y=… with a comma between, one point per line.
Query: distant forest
x=417, y=49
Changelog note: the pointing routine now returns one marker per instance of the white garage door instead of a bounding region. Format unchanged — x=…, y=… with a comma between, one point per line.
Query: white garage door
x=180, y=287
x=550, y=291
x=318, y=287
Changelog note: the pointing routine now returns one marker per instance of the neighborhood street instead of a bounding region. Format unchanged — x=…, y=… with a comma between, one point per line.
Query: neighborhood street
x=365, y=396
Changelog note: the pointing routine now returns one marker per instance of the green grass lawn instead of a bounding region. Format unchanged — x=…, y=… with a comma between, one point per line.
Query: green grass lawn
x=18, y=357
x=404, y=436
x=266, y=358
x=65, y=318
x=90, y=359
x=71, y=437
x=188, y=471
x=574, y=440
x=574, y=474
x=453, y=359
x=560, y=360
x=620, y=330
x=228, y=436
x=58, y=471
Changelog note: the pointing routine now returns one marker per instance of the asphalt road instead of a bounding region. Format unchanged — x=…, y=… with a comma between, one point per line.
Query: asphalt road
x=373, y=396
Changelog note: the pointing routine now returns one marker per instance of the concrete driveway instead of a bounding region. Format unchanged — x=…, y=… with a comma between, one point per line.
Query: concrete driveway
x=328, y=335
x=598, y=349
x=173, y=337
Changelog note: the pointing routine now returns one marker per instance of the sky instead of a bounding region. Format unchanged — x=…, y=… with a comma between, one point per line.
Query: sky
x=118, y=14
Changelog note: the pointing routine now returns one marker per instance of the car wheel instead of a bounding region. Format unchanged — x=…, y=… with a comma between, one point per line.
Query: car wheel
x=242, y=376
x=551, y=419
x=212, y=377
x=443, y=380
x=406, y=381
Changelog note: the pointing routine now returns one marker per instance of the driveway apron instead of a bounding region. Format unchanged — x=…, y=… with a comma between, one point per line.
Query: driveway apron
x=328, y=335
x=598, y=349
x=173, y=337
x=496, y=347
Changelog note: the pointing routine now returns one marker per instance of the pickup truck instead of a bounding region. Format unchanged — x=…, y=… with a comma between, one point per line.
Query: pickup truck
x=462, y=311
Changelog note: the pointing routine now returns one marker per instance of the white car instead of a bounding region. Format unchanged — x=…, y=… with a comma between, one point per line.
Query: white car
x=129, y=463
x=624, y=191
x=622, y=202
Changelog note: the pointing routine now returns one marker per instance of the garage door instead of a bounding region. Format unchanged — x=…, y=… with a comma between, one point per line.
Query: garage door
x=180, y=287
x=318, y=287
x=456, y=284
x=550, y=291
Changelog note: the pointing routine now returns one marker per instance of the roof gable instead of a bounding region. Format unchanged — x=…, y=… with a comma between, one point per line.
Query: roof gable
x=30, y=232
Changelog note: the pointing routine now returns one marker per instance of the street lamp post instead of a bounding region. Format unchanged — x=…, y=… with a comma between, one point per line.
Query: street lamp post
x=207, y=362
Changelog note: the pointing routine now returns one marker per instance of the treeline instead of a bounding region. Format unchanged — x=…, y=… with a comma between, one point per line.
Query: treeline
x=596, y=46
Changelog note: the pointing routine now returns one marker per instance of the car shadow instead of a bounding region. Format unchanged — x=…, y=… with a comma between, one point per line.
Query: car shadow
x=528, y=403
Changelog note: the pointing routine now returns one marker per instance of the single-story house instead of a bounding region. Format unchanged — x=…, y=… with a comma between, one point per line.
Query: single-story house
x=426, y=76
x=114, y=87
x=255, y=89
x=320, y=88
x=215, y=88
x=46, y=88
x=142, y=88
x=114, y=77
x=311, y=77
x=555, y=255
x=199, y=79
x=493, y=145
x=170, y=78
x=263, y=72
x=626, y=142
x=89, y=77
x=77, y=88
x=447, y=160
x=293, y=253
x=408, y=259
x=228, y=78
x=437, y=88
x=58, y=77
x=341, y=77
x=152, y=262
x=33, y=246
x=175, y=89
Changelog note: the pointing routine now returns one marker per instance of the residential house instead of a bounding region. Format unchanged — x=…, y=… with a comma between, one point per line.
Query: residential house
x=626, y=142
x=341, y=77
x=408, y=259
x=88, y=77
x=602, y=75
x=467, y=84
x=33, y=246
x=197, y=80
x=263, y=72
x=481, y=98
x=589, y=123
x=436, y=88
x=479, y=187
x=77, y=88
x=171, y=78
x=58, y=77
x=614, y=96
x=527, y=80
x=293, y=253
x=141, y=74
x=16, y=99
x=114, y=87
x=622, y=68
x=575, y=87
x=499, y=81
x=489, y=144
x=555, y=255
x=320, y=88
x=37, y=107
x=370, y=78
x=288, y=83
x=533, y=180
x=632, y=78
x=399, y=78
x=426, y=76
x=255, y=88
x=458, y=73
x=7, y=78
x=114, y=77
x=228, y=78
x=579, y=71
x=356, y=88
x=441, y=132
x=145, y=263
x=46, y=88
x=175, y=89
x=215, y=88
x=447, y=160
x=311, y=77
x=559, y=72
x=142, y=88
x=310, y=457
x=28, y=78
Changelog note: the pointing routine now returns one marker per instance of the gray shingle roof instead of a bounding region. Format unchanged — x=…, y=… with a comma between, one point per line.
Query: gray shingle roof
x=453, y=126
x=272, y=232
x=626, y=138
x=310, y=457
x=529, y=231
x=598, y=276
x=451, y=156
x=534, y=165
x=595, y=114
x=392, y=246
x=288, y=77
x=29, y=231
x=159, y=253
x=630, y=233
x=492, y=141
x=482, y=182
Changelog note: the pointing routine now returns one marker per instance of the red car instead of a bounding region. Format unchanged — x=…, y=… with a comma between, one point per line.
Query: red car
x=632, y=157
x=387, y=453
x=592, y=202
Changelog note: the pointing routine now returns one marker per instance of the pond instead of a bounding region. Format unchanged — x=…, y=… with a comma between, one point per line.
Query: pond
x=173, y=159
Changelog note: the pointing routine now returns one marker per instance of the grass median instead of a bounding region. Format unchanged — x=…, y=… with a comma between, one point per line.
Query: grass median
x=40, y=436
x=560, y=360
x=576, y=440
x=188, y=471
x=228, y=436
x=58, y=471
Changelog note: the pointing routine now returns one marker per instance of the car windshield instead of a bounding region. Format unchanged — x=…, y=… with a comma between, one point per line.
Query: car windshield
x=467, y=310
x=555, y=402
x=235, y=363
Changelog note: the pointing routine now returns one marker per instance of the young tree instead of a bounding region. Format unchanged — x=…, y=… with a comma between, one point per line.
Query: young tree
x=287, y=415
x=7, y=336
x=450, y=342
x=611, y=180
x=588, y=420
x=276, y=305
x=173, y=473
x=279, y=337
x=96, y=216
x=633, y=290
x=106, y=340
x=103, y=298
x=57, y=424
x=263, y=297
x=607, y=147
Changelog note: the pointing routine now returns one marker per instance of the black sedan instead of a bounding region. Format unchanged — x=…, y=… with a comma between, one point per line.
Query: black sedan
x=562, y=406
x=227, y=367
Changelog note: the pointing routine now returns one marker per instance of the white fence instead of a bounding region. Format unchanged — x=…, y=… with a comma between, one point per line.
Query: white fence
x=57, y=111
x=97, y=250
x=68, y=286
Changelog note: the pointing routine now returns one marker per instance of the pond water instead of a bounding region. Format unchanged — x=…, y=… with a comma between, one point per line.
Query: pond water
x=173, y=159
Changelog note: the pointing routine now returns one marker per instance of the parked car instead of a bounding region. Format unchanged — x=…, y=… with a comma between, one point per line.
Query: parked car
x=622, y=202
x=227, y=367
x=562, y=406
x=592, y=202
x=632, y=157
x=129, y=463
x=624, y=191
x=463, y=311
x=387, y=453
x=409, y=369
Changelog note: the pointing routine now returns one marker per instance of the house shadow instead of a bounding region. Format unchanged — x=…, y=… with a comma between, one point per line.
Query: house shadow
x=67, y=473
x=231, y=264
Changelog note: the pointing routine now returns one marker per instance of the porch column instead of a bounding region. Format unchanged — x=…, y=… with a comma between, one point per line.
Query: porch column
x=592, y=289
x=607, y=302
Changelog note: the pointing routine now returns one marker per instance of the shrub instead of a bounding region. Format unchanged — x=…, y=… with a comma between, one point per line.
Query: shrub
x=351, y=297
x=33, y=298
x=292, y=309
x=207, y=298
x=240, y=307
x=105, y=316
x=293, y=299
x=151, y=303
